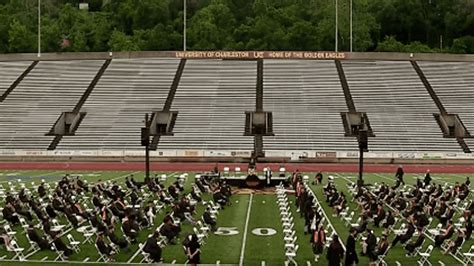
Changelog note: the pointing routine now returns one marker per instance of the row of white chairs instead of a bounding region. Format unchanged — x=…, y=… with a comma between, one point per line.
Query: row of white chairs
x=291, y=248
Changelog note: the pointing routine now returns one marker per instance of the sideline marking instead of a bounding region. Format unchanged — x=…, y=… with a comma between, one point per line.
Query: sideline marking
x=244, y=240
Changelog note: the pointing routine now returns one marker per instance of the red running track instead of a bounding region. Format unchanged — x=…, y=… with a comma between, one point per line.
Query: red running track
x=173, y=166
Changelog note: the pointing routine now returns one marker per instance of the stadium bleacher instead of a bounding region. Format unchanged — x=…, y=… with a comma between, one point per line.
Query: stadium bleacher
x=211, y=99
x=453, y=82
x=306, y=100
x=30, y=111
x=212, y=96
x=116, y=107
x=398, y=106
x=10, y=71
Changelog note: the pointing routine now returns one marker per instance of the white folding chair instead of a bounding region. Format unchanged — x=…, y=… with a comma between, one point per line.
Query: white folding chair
x=74, y=244
x=15, y=248
x=146, y=257
x=199, y=235
x=60, y=253
x=102, y=257
x=290, y=255
x=469, y=256
x=424, y=259
x=23, y=223
x=33, y=245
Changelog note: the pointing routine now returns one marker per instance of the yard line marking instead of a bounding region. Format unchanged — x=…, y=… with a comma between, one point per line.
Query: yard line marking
x=20, y=177
x=73, y=262
x=242, y=253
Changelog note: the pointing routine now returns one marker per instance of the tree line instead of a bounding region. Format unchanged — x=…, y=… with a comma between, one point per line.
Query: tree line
x=134, y=25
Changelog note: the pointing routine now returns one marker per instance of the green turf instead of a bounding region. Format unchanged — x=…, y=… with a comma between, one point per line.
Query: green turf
x=227, y=249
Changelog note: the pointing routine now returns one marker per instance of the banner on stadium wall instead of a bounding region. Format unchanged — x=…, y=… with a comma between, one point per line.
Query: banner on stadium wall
x=329, y=155
x=259, y=55
x=217, y=153
x=432, y=156
x=163, y=153
x=189, y=153
x=106, y=153
x=7, y=152
x=135, y=153
x=88, y=153
x=458, y=156
x=244, y=154
x=294, y=155
x=352, y=154
x=269, y=153
x=30, y=153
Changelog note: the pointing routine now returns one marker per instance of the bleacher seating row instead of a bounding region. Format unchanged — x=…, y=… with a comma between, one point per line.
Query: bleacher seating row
x=453, y=82
x=305, y=96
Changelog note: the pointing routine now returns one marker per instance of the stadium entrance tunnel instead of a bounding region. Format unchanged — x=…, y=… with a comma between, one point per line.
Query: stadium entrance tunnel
x=452, y=126
x=354, y=122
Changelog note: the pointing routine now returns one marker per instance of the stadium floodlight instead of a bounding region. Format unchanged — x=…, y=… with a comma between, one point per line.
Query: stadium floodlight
x=184, y=24
x=336, y=34
x=350, y=26
x=39, y=28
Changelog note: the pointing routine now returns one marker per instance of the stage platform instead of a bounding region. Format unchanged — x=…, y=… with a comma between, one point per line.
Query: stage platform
x=248, y=181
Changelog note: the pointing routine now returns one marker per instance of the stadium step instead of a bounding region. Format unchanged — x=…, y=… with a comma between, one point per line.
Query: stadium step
x=428, y=87
x=18, y=80
x=54, y=143
x=169, y=100
x=259, y=94
x=57, y=139
x=345, y=87
x=91, y=86
x=440, y=105
x=258, y=140
x=464, y=145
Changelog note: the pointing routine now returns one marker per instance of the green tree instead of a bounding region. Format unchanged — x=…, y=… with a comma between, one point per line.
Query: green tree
x=212, y=27
x=119, y=41
x=20, y=39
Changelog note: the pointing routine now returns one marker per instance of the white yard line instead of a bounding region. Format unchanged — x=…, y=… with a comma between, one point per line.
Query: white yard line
x=244, y=240
x=71, y=262
x=19, y=177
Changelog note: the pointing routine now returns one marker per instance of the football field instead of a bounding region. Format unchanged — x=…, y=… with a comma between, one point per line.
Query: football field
x=249, y=231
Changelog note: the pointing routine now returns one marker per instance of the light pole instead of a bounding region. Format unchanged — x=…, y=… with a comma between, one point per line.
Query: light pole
x=350, y=22
x=184, y=24
x=335, y=39
x=39, y=28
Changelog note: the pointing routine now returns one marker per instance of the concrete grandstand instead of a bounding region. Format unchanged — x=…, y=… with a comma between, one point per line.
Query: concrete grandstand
x=417, y=106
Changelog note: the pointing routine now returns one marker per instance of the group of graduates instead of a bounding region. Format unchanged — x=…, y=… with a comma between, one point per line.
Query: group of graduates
x=313, y=222
x=41, y=208
x=128, y=209
x=370, y=247
x=182, y=211
x=414, y=207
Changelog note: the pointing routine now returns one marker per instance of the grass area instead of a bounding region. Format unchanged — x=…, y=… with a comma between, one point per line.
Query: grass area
x=226, y=248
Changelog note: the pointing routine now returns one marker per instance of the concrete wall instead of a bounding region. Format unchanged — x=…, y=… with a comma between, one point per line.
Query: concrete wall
x=173, y=54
